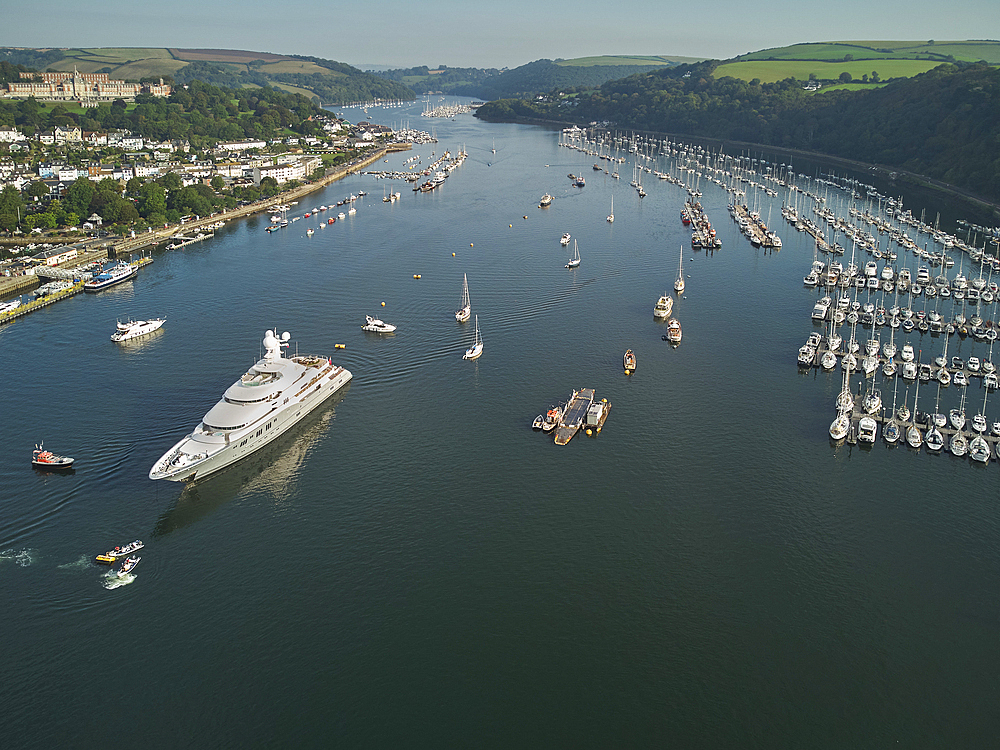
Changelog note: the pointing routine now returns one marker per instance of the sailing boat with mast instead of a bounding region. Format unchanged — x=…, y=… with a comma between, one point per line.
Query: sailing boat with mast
x=465, y=311
x=611, y=216
x=913, y=436
x=575, y=260
x=679, y=284
x=476, y=350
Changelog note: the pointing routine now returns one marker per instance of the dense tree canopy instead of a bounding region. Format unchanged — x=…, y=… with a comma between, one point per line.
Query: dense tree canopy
x=943, y=124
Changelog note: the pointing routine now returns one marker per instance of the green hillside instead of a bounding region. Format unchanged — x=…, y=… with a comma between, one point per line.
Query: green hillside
x=328, y=81
x=986, y=50
x=633, y=60
x=769, y=71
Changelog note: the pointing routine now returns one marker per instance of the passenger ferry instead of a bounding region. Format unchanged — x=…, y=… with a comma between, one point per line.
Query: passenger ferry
x=115, y=275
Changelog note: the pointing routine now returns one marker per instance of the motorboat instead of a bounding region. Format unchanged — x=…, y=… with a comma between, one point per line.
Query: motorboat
x=546, y=201
x=128, y=566
x=629, y=362
x=11, y=306
x=828, y=360
x=674, y=331
x=264, y=403
x=537, y=424
x=112, y=556
x=465, y=311
x=134, y=329
x=374, y=325
x=663, y=306
x=551, y=420
x=906, y=353
x=476, y=350
x=867, y=429
x=807, y=354
x=43, y=459
x=564, y=240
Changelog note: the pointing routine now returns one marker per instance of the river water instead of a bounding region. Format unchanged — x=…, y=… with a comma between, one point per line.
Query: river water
x=414, y=566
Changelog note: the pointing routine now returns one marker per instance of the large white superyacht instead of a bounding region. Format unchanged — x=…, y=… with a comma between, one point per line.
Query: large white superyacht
x=272, y=396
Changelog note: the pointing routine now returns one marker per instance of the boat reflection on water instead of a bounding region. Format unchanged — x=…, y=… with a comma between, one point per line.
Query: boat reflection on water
x=272, y=471
x=138, y=344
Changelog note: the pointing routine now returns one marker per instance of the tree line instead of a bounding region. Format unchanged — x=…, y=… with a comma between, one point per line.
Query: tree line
x=944, y=124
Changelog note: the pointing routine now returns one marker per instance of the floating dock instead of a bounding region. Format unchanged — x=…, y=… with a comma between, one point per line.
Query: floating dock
x=574, y=415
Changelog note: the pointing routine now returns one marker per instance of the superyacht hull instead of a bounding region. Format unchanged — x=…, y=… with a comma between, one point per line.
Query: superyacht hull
x=289, y=390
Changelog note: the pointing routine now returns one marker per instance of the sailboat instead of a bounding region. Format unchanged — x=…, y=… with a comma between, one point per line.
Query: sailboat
x=611, y=216
x=913, y=436
x=679, y=284
x=575, y=260
x=465, y=312
x=476, y=350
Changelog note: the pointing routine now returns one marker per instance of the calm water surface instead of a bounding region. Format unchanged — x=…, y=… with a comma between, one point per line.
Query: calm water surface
x=413, y=566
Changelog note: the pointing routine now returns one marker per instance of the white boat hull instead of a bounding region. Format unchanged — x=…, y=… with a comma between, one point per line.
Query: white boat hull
x=198, y=455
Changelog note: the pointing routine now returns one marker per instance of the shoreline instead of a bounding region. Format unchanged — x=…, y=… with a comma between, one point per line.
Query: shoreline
x=116, y=248
x=945, y=187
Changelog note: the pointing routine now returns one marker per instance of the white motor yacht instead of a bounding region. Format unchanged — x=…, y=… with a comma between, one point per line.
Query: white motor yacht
x=374, y=325
x=271, y=397
x=134, y=329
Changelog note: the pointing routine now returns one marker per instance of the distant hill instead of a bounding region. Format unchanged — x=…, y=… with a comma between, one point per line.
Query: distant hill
x=326, y=81
x=827, y=60
x=944, y=124
x=532, y=79
x=543, y=76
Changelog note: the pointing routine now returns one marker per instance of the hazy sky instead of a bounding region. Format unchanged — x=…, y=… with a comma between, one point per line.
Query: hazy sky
x=502, y=34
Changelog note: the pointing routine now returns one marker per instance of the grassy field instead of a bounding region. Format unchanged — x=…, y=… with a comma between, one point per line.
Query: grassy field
x=294, y=89
x=849, y=87
x=970, y=51
x=626, y=60
x=297, y=66
x=224, y=55
x=126, y=54
x=769, y=71
x=143, y=68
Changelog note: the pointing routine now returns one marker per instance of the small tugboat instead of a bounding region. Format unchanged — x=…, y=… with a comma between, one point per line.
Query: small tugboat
x=43, y=459
x=629, y=361
x=128, y=566
x=111, y=557
x=551, y=420
x=374, y=325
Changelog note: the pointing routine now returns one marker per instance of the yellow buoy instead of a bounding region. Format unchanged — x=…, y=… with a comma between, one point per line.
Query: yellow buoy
x=525, y=217
x=383, y=304
x=510, y=225
x=453, y=255
x=589, y=431
x=340, y=346
x=598, y=429
x=416, y=275
x=470, y=244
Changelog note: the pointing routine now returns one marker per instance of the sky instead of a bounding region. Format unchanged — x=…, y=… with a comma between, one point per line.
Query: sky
x=472, y=33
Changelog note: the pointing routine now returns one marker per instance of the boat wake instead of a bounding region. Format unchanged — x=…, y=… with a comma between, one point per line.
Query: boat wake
x=23, y=557
x=81, y=563
x=111, y=580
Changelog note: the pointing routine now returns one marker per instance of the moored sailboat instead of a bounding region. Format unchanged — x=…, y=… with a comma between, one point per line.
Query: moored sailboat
x=465, y=311
x=679, y=284
x=476, y=350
